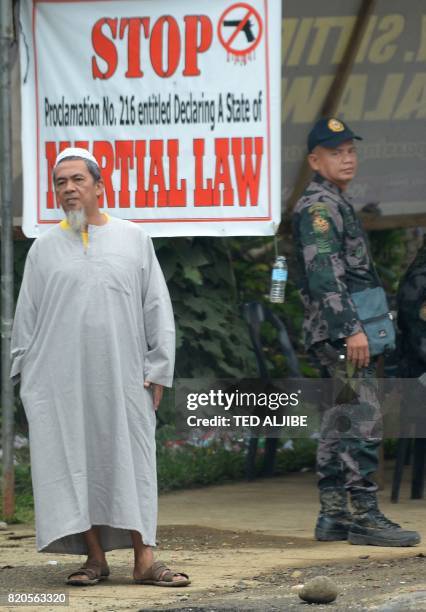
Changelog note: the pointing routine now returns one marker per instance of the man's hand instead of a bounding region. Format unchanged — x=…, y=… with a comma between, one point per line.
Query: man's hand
x=157, y=392
x=357, y=350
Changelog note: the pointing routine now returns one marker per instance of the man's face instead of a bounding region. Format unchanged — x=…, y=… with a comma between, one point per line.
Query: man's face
x=75, y=187
x=337, y=165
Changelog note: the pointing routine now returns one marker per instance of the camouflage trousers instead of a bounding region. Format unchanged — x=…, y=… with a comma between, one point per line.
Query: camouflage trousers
x=351, y=425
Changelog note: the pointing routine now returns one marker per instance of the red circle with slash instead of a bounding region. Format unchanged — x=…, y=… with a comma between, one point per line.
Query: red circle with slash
x=240, y=27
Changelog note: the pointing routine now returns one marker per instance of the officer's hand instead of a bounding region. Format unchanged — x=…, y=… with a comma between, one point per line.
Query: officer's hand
x=357, y=350
x=157, y=392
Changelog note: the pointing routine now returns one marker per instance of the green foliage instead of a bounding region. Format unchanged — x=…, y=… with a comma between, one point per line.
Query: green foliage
x=191, y=466
x=24, y=502
x=253, y=282
x=212, y=338
x=303, y=456
x=184, y=465
x=389, y=253
x=389, y=448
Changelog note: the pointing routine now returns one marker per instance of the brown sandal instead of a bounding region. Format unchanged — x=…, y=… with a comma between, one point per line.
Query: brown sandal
x=160, y=575
x=95, y=572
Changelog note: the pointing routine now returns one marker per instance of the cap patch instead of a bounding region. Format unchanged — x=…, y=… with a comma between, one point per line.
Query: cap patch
x=335, y=125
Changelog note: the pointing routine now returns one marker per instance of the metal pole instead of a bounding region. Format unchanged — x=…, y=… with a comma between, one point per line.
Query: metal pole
x=7, y=395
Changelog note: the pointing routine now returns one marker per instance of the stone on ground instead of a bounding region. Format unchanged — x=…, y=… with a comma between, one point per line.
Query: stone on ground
x=319, y=590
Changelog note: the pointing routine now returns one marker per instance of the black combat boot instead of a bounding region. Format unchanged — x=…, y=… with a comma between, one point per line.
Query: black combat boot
x=370, y=526
x=334, y=518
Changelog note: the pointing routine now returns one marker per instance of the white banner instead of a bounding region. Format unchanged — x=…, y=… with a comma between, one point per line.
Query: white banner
x=178, y=101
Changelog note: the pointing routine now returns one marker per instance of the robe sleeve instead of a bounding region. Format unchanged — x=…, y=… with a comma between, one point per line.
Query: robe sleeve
x=25, y=318
x=158, y=321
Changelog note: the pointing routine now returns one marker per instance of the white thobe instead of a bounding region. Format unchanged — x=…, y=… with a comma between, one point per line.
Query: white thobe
x=91, y=325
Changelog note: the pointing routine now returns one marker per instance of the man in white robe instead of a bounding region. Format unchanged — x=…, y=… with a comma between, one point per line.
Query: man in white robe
x=93, y=345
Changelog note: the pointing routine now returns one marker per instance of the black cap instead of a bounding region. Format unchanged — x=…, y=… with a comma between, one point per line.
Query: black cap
x=330, y=132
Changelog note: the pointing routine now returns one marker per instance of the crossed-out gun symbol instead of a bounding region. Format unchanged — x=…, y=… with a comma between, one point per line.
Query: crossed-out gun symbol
x=247, y=27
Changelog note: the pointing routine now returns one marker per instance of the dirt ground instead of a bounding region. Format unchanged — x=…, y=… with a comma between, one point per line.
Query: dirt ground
x=245, y=546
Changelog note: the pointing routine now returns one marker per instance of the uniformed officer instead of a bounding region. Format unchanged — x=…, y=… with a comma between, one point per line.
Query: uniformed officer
x=334, y=261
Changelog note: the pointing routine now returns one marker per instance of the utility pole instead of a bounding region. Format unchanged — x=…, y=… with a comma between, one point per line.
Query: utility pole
x=7, y=395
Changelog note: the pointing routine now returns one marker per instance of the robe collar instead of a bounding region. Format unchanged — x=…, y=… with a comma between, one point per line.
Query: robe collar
x=66, y=226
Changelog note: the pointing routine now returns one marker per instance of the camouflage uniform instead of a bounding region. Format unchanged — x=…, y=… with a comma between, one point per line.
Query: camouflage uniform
x=412, y=317
x=333, y=261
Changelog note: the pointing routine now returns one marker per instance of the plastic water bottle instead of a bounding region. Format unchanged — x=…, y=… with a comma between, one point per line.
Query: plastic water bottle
x=278, y=280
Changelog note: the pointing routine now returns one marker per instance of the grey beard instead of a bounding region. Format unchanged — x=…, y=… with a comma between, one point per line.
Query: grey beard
x=77, y=220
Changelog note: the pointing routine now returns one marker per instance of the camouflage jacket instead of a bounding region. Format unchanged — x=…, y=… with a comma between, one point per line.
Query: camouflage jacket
x=333, y=261
x=412, y=308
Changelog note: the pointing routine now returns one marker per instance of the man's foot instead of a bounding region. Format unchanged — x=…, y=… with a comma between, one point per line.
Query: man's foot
x=160, y=575
x=143, y=573
x=92, y=572
x=375, y=529
x=148, y=571
x=332, y=528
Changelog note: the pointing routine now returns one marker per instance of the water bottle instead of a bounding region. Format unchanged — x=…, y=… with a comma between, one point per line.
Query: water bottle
x=278, y=280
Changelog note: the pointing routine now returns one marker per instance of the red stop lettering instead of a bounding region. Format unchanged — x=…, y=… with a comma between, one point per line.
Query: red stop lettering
x=133, y=26
x=192, y=46
x=173, y=46
x=105, y=48
x=165, y=45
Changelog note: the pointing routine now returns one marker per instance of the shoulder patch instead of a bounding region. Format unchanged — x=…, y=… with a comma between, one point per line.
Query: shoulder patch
x=320, y=218
x=321, y=226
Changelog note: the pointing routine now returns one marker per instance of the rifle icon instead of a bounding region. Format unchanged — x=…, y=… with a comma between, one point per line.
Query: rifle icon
x=247, y=27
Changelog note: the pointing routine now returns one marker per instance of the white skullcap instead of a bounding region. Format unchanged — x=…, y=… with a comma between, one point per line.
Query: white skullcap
x=75, y=152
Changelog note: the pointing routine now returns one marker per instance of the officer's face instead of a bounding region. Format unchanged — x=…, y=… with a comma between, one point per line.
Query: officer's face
x=337, y=165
